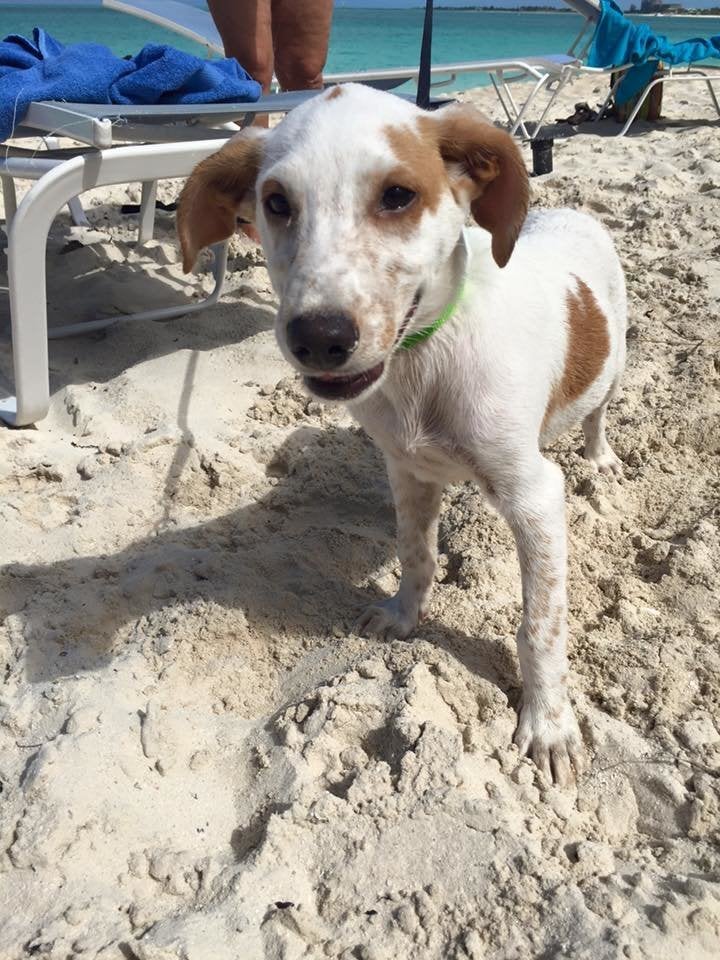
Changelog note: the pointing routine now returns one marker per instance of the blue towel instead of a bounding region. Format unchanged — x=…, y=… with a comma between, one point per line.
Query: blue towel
x=618, y=41
x=45, y=69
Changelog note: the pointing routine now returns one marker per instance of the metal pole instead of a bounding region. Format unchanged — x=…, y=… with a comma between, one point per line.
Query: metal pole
x=423, y=87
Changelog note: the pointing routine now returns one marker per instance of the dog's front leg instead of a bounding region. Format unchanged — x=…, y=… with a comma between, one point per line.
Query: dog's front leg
x=534, y=506
x=417, y=506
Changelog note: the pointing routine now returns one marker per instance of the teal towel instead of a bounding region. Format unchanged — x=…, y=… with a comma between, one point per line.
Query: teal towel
x=618, y=41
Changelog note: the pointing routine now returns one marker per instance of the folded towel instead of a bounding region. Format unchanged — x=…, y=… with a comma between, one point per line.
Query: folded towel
x=45, y=69
x=618, y=41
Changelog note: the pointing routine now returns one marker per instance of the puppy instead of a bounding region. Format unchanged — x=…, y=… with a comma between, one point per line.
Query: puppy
x=462, y=351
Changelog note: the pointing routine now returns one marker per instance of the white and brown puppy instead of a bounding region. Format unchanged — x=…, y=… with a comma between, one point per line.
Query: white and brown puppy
x=461, y=351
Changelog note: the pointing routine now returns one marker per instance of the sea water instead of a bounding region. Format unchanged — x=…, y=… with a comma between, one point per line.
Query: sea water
x=361, y=39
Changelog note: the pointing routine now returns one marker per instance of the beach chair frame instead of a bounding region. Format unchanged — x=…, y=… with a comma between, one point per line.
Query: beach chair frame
x=174, y=139
x=589, y=10
x=100, y=127
x=686, y=74
x=27, y=247
x=546, y=73
x=66, y=174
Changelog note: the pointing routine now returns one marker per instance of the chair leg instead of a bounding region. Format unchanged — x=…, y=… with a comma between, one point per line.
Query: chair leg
x=26, y=280
x=146, y=227
x=553, y=95
x=27, y=245
x=220, y=251
x=507, y=102
x=77, y=213
x=10, y=200
x=610, y=98
x=499, y=91
x=520, y=120
x=713, y=96
x=701, y=76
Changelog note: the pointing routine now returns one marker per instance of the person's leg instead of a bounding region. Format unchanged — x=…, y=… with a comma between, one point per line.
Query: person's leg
x=245, y=28
x=301, y=31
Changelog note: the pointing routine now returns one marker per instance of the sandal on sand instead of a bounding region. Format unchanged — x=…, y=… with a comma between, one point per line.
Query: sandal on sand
x=128, y=208
x=583, y=114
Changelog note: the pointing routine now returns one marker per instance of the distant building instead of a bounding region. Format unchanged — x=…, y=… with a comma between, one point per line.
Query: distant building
x=656, y=6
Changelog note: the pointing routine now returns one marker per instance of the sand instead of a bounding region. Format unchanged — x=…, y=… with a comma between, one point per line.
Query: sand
x=197, y=758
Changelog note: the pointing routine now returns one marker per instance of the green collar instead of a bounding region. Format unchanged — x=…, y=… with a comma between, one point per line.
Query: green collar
x=412, y=339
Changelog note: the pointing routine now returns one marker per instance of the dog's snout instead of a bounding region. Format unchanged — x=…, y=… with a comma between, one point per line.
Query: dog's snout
x=322, y=340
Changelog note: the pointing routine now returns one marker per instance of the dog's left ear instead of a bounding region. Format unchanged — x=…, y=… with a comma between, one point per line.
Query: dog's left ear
x=217, y=192
x=485, y=164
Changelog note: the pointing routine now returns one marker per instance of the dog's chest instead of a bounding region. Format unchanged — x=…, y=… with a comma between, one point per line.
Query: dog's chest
x=437, y=464
x=422, y=436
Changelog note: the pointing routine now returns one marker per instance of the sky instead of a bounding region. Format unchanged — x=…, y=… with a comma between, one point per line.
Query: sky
x=695, y=4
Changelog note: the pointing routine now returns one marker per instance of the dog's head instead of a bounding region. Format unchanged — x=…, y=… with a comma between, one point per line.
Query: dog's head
x=360, y=199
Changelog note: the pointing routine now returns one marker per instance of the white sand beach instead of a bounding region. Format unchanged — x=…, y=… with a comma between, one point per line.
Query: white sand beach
x=199, y=761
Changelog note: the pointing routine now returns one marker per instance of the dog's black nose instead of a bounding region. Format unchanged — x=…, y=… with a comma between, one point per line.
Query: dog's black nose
x=321, y=340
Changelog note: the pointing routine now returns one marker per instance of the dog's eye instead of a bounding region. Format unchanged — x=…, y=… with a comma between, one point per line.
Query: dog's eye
x=397, y=198
x=278, y=205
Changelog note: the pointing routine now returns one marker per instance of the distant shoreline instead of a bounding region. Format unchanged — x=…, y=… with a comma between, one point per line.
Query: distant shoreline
x=687, y=15
x=644, y=16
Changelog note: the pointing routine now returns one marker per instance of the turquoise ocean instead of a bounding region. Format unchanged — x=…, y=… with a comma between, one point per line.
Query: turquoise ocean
x=360, y=39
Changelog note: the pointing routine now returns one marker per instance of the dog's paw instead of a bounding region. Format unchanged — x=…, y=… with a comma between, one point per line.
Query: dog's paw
x=606, y=462
x=387, y=620
x=551, y=736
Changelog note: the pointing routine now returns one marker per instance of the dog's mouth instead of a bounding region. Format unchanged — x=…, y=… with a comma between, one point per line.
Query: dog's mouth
x=330, y=386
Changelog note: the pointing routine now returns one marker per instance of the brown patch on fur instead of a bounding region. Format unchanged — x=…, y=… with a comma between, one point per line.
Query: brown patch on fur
x=587, y=349
x=484, y=163
x=217, y=191
x=334, y=93
x=417, y=154
x=457, y=149
x=420, y=169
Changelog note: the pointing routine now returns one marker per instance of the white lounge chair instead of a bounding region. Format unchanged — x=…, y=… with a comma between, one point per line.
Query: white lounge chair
x=61, y=176
x=547, y=73
x=589, y=10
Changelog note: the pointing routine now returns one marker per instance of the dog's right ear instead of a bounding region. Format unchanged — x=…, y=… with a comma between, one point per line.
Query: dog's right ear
x=217, y=192
x=485, y=163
